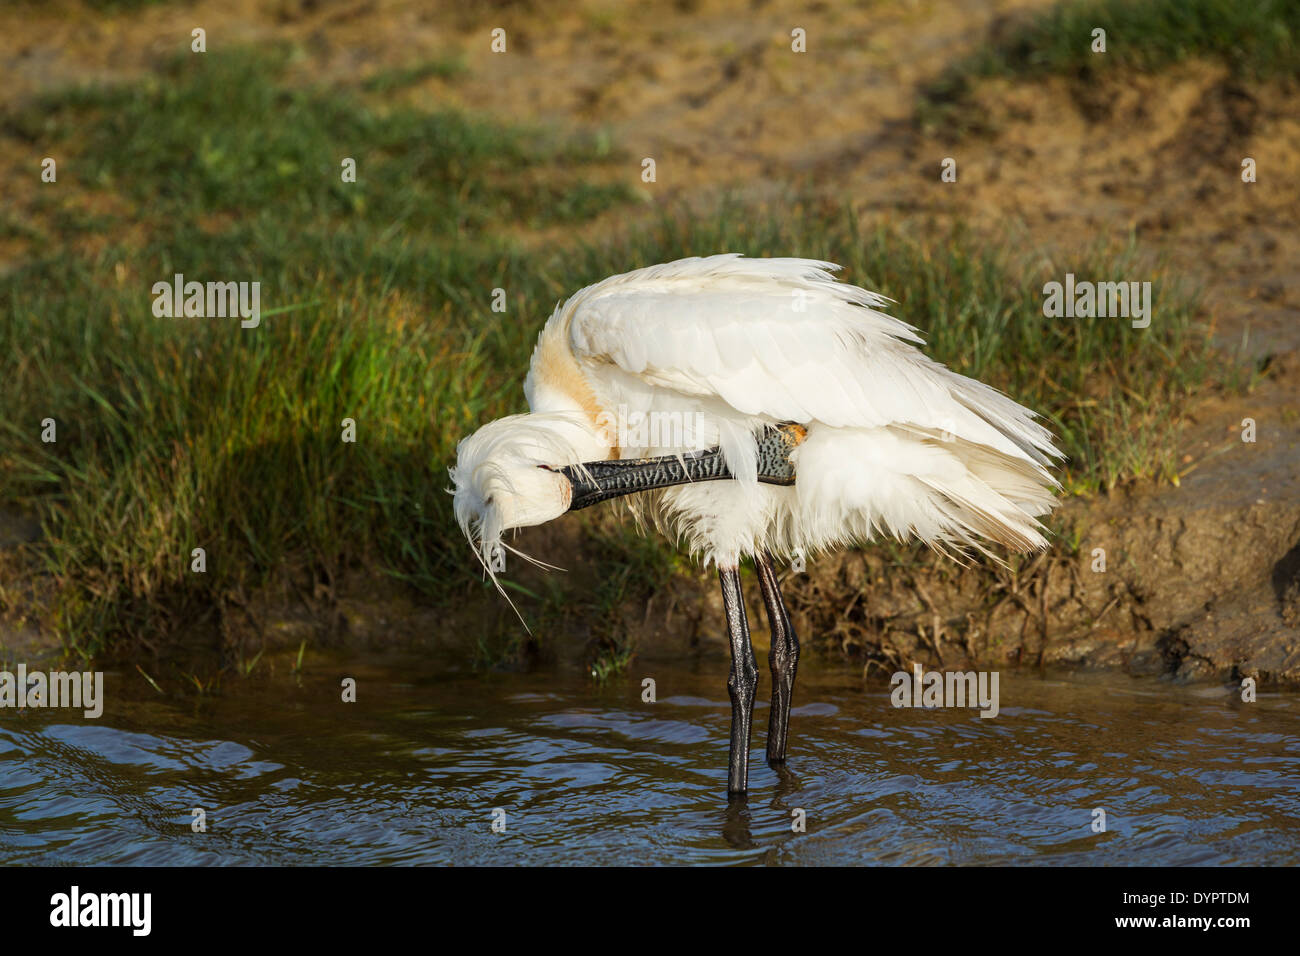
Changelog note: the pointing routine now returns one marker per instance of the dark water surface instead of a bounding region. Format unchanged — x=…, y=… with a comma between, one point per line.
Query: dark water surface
x=413, y=771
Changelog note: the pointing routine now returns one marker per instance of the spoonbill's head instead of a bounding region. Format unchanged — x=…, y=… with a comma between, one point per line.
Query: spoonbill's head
x=504, y=479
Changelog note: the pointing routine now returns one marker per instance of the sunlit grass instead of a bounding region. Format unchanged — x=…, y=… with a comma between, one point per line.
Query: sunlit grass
x=398, y=78
x=1257, y=39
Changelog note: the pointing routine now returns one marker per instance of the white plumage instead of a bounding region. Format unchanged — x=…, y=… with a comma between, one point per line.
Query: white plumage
x=896, y=443
x=892, y=442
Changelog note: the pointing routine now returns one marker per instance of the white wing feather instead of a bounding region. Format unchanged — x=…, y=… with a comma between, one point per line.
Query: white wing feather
x=780, y=338
x=897, y=443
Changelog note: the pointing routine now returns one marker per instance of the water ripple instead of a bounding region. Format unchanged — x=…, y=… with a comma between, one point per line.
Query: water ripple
x=550, y=769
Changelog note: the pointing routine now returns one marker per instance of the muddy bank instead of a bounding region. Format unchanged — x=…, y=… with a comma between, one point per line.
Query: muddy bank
x=1200, y=581
x=1197, y=582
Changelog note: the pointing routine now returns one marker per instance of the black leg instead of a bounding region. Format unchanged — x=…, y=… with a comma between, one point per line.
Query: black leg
x=742, y=681
x=783, y=658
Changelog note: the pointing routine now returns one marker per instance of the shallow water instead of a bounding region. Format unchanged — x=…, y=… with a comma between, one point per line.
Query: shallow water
x=413, y=771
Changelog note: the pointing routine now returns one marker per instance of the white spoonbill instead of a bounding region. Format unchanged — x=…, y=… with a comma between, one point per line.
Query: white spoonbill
x=754, y=407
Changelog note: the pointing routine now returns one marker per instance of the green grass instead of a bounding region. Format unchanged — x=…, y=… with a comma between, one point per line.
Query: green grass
x=218, y=135
x=1255, y=39
x=175, y=434
x=399, y=78
x=182, y=433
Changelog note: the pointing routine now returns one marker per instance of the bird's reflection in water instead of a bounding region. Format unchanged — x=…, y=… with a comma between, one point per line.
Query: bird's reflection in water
x=787, y=784
x=737, y=821
x=738, y=818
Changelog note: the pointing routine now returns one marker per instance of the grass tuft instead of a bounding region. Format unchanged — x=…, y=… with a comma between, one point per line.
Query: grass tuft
x=399, y=78
x=1259, y=39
